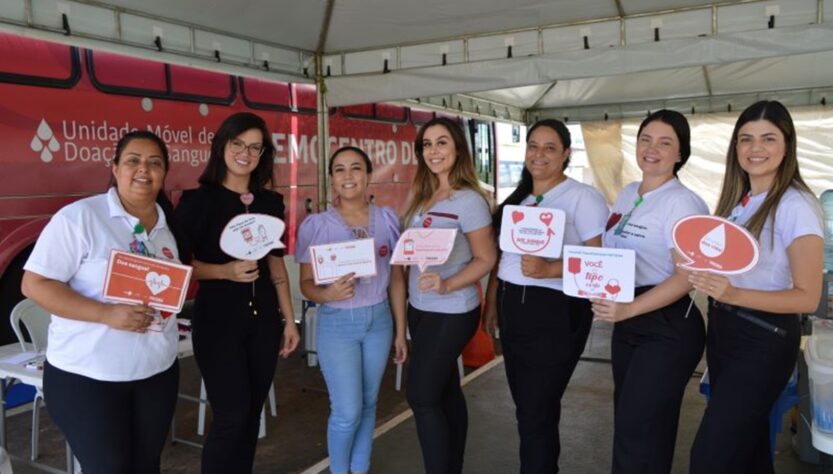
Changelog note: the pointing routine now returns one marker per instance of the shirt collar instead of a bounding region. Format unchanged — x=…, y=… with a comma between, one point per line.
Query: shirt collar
x=117, y=210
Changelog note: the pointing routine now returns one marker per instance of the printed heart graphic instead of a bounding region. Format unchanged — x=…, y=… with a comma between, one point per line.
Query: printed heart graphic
x=613, y=287
x=612, y=220
x=157, y=283
x=333, y=257
x=546, y=218
x=247, y=198
x=517, y=216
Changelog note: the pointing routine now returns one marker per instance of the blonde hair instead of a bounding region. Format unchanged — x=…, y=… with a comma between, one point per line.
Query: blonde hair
x=736, y=180
x=462, y=175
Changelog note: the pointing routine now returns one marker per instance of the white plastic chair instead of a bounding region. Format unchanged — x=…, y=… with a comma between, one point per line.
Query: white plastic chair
x=36, y=320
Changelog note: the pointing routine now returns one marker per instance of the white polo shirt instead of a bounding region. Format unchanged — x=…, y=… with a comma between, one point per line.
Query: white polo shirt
x=798, y=214
x=650, y=227
x=74, y=248
x=586, y=212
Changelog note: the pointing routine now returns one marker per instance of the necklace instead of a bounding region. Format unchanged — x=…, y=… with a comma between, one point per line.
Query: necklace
x=247, y=199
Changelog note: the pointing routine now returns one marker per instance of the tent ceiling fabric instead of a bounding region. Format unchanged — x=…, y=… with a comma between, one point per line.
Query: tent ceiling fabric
x=596, y=52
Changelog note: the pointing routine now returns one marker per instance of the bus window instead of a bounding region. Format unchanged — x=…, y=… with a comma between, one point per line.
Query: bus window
x=364, y=111
x=305, y=97
x=260, y=94
x=419, y=117
x=391, y=113
x=196, y=84
x=121, y=74
x=34, y=62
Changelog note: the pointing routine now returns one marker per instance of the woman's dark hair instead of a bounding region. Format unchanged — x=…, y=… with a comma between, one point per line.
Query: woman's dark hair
x=678, y=122
x=368, y=164
x=524, y=187
x=231, y=128
x=736, y=181
x=161, y=198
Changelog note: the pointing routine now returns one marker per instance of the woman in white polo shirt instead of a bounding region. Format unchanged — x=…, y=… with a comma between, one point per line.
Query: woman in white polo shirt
x=754, y=329
x=444, y=305
x=110, y=378
x=658, y=339
x=542, y=330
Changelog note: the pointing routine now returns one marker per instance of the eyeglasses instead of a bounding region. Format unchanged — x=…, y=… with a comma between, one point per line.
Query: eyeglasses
x=237, y=146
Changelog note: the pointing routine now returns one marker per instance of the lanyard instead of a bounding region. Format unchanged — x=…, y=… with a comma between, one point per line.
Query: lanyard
x=621, y=227
x=737, y=211
x=139, y=245
x=538, y=199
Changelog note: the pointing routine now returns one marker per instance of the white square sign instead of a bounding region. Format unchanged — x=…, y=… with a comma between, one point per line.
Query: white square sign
x=531, y=230
x=597, y=272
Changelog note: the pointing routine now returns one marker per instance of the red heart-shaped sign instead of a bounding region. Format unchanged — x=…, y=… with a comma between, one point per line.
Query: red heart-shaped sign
x=546, y=218
x=613, y=288
x=612, y=220
x=517, y=216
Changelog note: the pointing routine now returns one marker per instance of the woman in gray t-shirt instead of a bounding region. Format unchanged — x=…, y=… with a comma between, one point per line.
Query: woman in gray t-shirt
x=444, y=306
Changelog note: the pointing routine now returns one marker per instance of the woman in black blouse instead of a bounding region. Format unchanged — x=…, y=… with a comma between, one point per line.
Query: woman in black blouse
x=240, y=304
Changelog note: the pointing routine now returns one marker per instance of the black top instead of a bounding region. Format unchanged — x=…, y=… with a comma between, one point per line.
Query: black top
x=202, y=214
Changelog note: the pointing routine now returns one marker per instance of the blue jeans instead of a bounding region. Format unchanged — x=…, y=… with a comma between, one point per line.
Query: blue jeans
x=353, y=349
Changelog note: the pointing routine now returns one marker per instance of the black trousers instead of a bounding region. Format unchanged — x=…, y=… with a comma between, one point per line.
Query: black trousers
x=542, y=332
x=113, y=427
x=749, y=366
x=433, y=389
x=654, y=355
x=237, y=356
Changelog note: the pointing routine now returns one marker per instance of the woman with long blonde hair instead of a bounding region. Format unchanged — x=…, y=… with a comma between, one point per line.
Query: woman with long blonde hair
x=753, y=332
x=444, y=305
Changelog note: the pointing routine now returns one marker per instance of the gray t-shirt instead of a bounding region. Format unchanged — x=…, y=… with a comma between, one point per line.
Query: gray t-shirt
x=466, y=211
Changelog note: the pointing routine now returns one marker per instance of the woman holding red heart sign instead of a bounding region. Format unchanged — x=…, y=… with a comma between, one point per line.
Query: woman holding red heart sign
x=657, y=341
x=754, y=330
x=543, y=331
x=110, y=379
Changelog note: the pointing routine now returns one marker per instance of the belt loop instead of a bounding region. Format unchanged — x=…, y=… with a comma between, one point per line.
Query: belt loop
x=523, y=295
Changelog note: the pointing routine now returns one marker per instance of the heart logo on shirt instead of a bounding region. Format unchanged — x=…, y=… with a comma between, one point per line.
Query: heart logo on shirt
x=546, y=218
x=517, y=216
x=613, y=220
x=427, y=222
x=383, y=251
x=157, y=283
x=333, y=257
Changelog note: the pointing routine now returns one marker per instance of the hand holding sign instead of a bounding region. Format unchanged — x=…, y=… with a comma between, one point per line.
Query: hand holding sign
x=424, y=247
x=603, y=273
x=715, y=244
x=147, y=281
x=252, y=236
x=532, y=231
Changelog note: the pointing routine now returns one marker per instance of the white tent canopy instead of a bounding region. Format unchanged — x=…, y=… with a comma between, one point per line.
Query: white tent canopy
x=582, y=59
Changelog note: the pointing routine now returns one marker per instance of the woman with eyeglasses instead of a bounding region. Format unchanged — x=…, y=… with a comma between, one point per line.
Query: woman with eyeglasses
x=658, y=338
x=111, y=373
x=754, y=329
x=542, y=330
x=354, y=325
x=243, y=307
